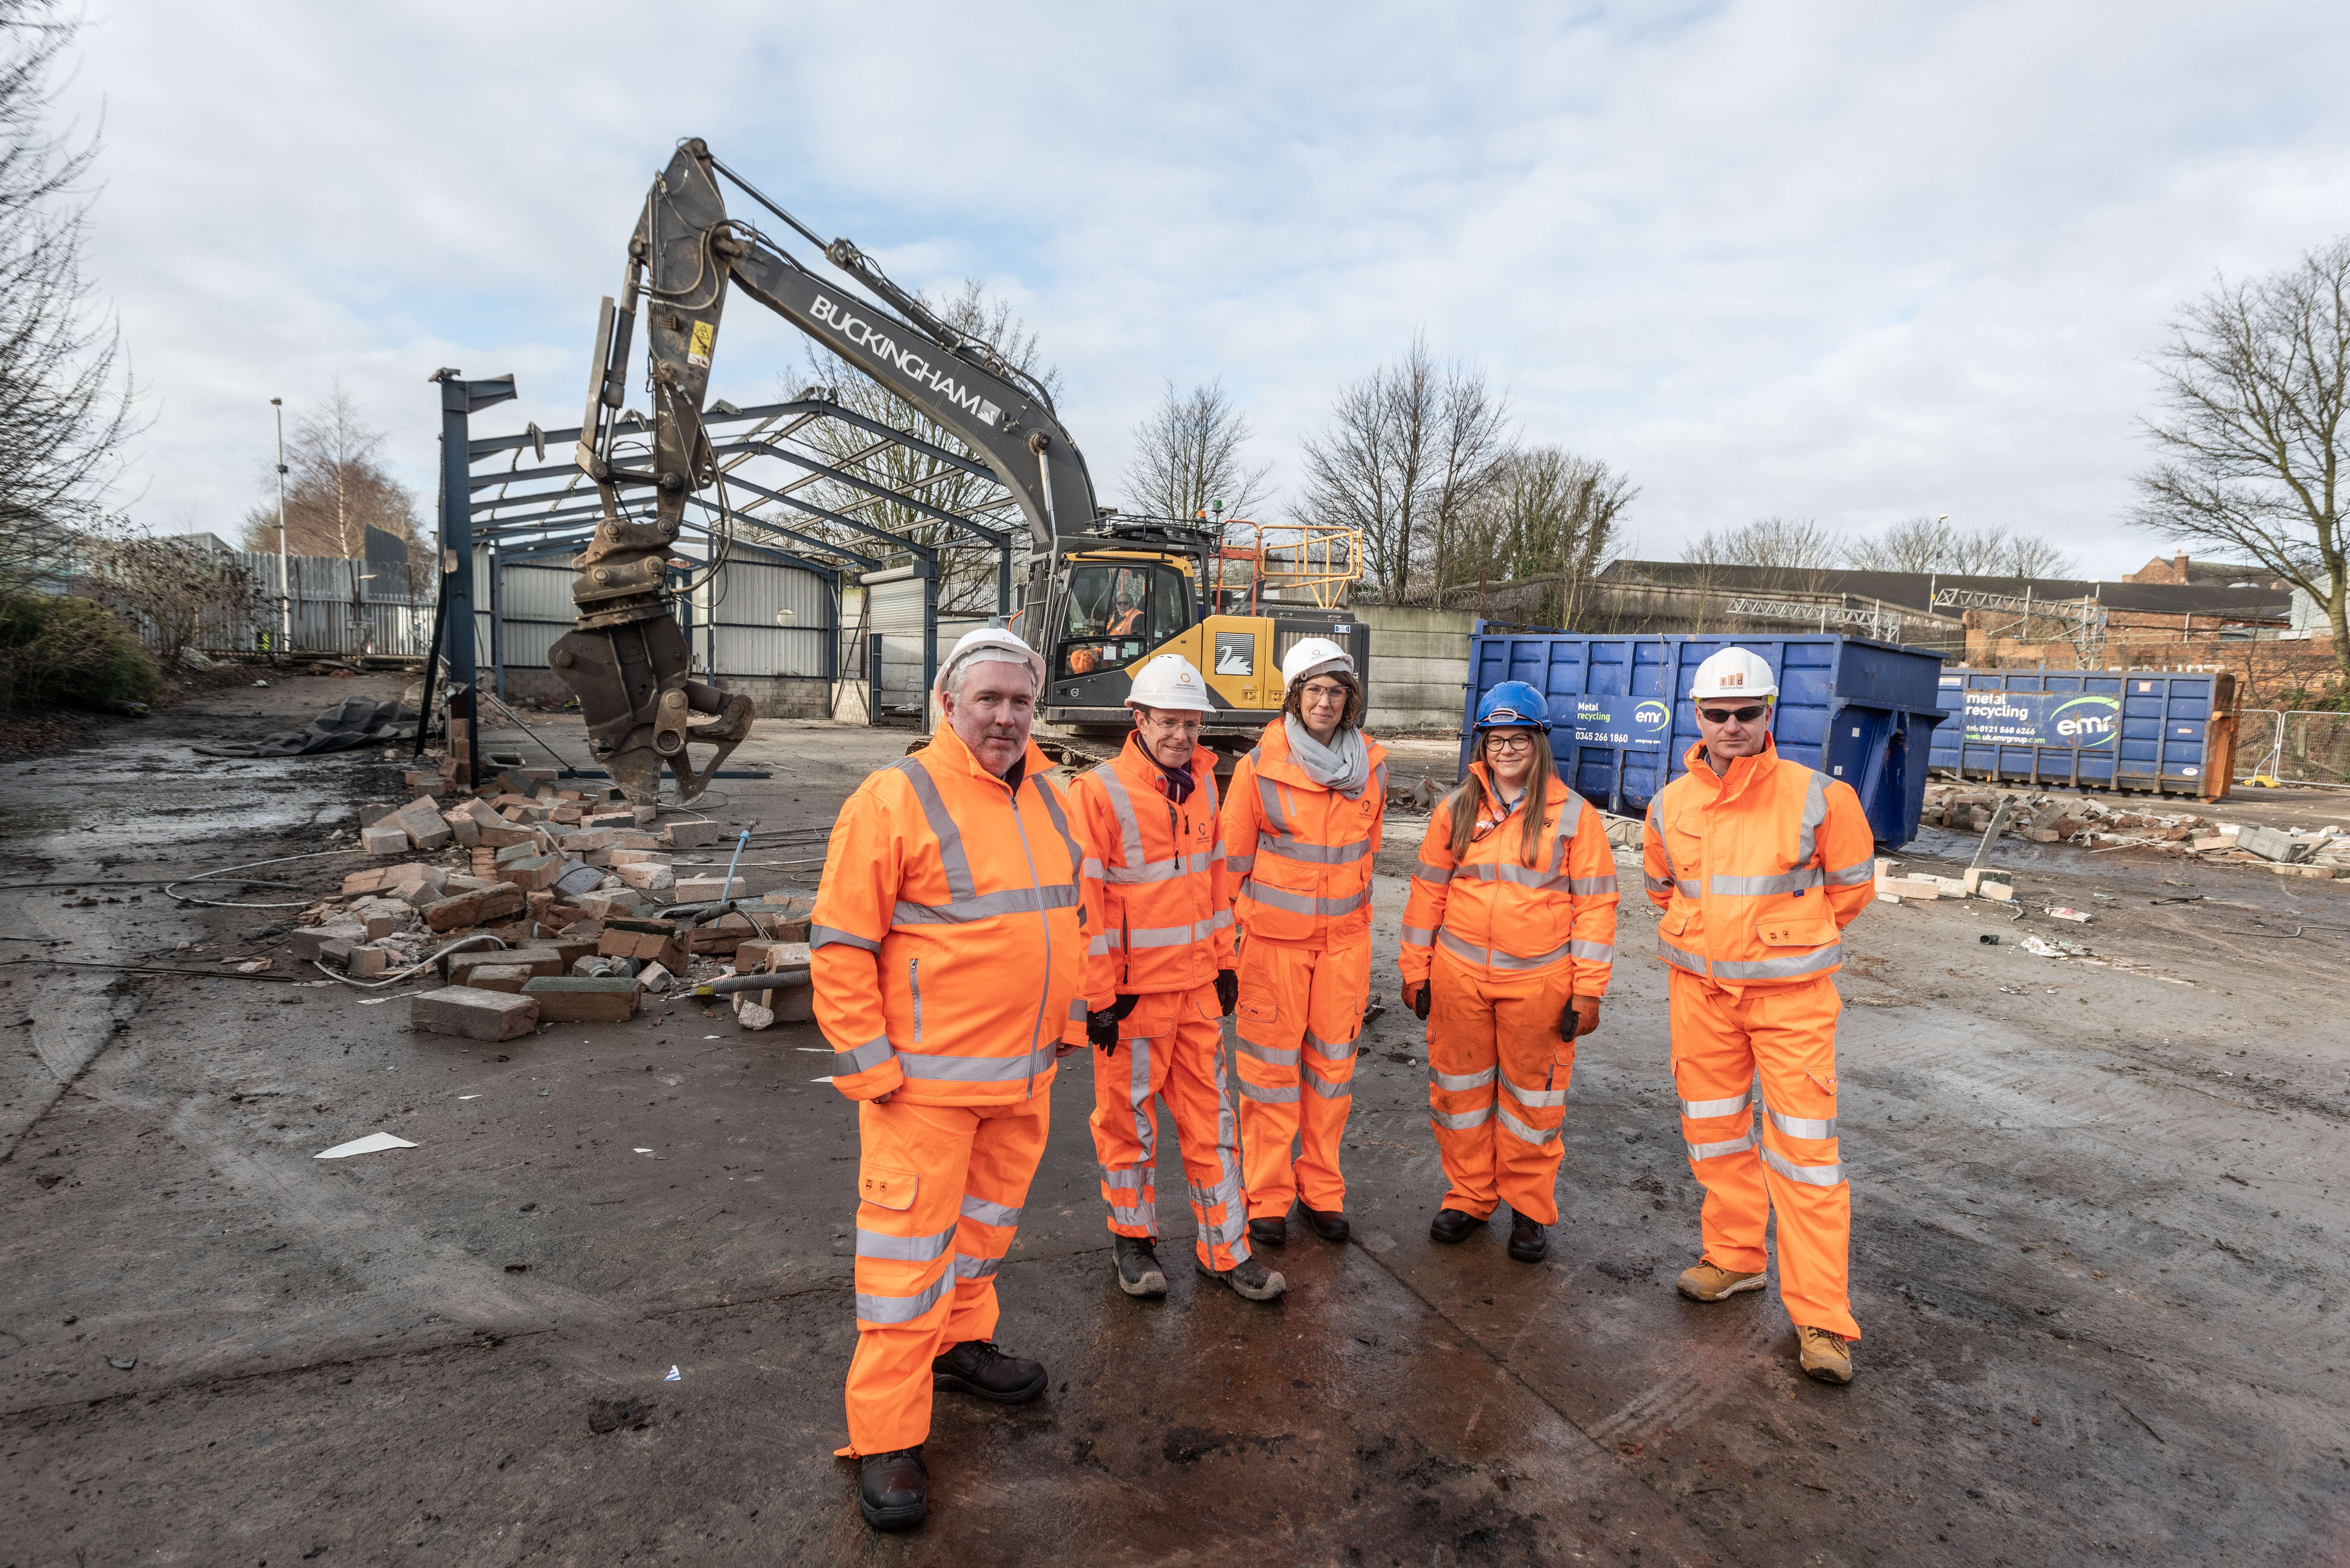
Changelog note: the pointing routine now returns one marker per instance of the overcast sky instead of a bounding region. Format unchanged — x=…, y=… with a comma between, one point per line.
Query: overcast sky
x=1851, y=261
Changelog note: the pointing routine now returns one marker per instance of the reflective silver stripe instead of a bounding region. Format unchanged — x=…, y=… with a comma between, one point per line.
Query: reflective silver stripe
x=1101, y=944
x=1594, y=886
x=1800, y=1127
x=904, y=1249
x=862, y=1058
x=1758, y=887
x=1146, y=1217
x=1498, y=959
x=1533, y=1099
x=1691, y=889
x=1815, y=811
x=1263, y=1095
x=1268, y=794
x=1434, y=876
x=1596, y=952
x=1130, y=1179
x=901, y=1309
x=1457, y=1082
x=952, y=860
x=1462, y=1121
x=1414, y=936
x=1268, y=1054
x=1229, y=1230
x=833, y=937
x=1535, y=1135
x=1299, y=904
x=1077, y=1009
x=1520, y=875
x=1060, y=820
x=1129, y=831
x=977, y=1069
x=1825, y=957
x=1678, y=959
x=1853, y=875
x=987, y=906
x=1658, y=884
x=1239, y=865
x=987, y=1214
x=1656, y=826
x=1699, y=1110
x=1340, y=1051
x=969, y=1268
x=1809, y=1175
x=1698, y=1151
x=1174, y=935
x=1092, y=867
x=1328, y=1090
x=1289, y=848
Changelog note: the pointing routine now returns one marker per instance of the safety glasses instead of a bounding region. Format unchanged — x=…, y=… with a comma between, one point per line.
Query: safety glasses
x=1724, y=715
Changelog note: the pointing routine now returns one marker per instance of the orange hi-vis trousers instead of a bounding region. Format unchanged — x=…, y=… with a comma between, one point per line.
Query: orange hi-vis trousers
x=1782, y=1039
x=1170, y=1048
x=941, y=1188
x=1299, y=1010
x=1497, y=1073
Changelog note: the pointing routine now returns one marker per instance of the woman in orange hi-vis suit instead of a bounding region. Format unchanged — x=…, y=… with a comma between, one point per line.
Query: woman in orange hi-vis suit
x=949, y=959
x=1161, y=980
x=1302, y=822
x=1507, y=944
x=1759, y=863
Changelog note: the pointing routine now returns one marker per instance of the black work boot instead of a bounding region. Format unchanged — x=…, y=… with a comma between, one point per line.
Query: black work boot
x=1528, y=1240
x=893, y=1489
x=1273, y=1231
x=1139, y=1273
x=976, y=1367
x=1451, y=1226
x=1248, y=1277
x=1330, y=1224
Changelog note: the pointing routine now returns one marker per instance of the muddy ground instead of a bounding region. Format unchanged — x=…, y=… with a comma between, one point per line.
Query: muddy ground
x=2097, y=1260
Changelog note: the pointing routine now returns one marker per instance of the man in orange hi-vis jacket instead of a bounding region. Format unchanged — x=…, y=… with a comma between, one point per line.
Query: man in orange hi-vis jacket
x=1161, y=982
x=949, y=963
x=1759, y=863
x=1302, y=822
x=1508, y=942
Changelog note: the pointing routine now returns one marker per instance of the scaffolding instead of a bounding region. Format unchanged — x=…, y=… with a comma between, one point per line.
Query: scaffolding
x=1291, y=563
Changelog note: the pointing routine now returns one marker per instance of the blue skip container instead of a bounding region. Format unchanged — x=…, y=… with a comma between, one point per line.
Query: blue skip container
x=1859, y=710
x=2147, y=730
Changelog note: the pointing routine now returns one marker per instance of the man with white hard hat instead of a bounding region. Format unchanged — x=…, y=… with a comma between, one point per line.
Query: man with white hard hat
x=1302, y=822
x=949, y=956
x=1160, y=980
x=1759, y=863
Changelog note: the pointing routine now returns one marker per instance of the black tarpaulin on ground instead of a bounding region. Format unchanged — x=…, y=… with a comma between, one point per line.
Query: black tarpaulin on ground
x=357, y=722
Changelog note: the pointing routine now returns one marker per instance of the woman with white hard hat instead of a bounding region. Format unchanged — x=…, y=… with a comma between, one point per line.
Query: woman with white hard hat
x=1302, y=822
x=1159, y=981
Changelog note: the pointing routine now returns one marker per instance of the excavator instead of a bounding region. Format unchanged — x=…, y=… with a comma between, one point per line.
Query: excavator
x=1105, y=593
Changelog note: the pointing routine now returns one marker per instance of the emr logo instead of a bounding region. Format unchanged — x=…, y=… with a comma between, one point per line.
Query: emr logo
x=2097, y=721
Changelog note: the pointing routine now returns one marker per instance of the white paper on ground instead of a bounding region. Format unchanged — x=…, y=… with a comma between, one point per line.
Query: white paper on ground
x=374, y=1143
x=823, y=1080
x=469, y=1096
x=672, y=1376
x=644, y=1151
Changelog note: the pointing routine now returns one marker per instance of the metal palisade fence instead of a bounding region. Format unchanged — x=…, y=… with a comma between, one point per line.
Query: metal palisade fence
x=335, y=607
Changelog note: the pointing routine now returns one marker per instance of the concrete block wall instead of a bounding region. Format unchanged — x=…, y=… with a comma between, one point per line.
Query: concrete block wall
x=1419, y=664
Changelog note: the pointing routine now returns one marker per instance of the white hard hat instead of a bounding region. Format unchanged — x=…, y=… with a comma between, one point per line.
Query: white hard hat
x=1733, y=672
x=1169, y=681
x=984, y=644
x=1313, y=656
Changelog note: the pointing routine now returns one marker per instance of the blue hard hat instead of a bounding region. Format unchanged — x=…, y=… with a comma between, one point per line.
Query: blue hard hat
x=1512, y=703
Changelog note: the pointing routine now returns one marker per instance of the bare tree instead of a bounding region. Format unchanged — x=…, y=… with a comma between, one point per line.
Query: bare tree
x=1788, y=544
x=1550, y=516
x=2251, y=438
x=2030, y=556
x=1189, y=453
x=66, y=408
x=1931, y=544
x=1409, y=451
x=337, y=489
x=1916, y=544
x=921, y=485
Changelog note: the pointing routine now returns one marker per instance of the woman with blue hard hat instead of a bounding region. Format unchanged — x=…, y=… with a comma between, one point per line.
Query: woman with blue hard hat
x=1507, y=943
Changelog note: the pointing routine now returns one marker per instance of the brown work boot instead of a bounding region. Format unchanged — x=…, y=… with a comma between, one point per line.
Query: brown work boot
x=1712, y=1283
x=1825, y=1356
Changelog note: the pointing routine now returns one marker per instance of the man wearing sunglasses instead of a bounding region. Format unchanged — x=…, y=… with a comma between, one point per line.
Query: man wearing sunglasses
x=1759, y=863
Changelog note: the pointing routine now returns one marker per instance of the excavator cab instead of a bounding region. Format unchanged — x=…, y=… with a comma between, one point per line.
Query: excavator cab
x=1119, y=609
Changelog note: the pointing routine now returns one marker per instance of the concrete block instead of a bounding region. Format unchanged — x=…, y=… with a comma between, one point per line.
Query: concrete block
x=1951, y=887
x=709, y=889
x=2270, y=845
x=646, y=877
x=1919, y=887
x=310, y=941
x=1972, y=879
x=375, y=812
x=465, y=829
x=694, y=834
x=655, y=978
x=1998, y=892
x=505, y=977
x=474, y=1014
x=421, y=818
x=532, y=873
x=473, y=908
x=579, y=999
x=384, y=839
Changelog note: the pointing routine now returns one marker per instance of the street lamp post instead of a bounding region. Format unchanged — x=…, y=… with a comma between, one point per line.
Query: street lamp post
x=284, y=580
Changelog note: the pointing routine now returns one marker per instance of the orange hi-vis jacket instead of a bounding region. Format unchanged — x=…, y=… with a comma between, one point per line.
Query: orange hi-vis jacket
x=1495, y=917
x=948, y=942
x=1161, y=899
x=1305, y=851
x=1758, y=870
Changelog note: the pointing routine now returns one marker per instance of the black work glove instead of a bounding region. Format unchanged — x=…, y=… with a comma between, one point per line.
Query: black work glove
x=1228, y=990
x=1416, y=997
x=1581, y=1016
x=1101, y=1028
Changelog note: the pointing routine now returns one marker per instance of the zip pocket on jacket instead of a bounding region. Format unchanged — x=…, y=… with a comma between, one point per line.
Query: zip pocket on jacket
x=914, y=984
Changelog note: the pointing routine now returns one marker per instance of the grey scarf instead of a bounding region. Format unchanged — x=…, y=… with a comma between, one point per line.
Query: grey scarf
x=1344, y=767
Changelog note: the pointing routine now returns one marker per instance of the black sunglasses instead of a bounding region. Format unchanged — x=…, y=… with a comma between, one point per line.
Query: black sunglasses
x=1724, y=715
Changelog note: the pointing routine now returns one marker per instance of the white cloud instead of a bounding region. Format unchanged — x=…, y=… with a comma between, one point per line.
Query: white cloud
x=1855, y=261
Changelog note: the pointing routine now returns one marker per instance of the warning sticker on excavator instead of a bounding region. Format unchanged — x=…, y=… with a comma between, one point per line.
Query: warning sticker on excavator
x=697, y=353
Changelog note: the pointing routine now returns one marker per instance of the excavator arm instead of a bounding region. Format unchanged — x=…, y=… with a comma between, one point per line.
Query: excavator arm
x=626, y=658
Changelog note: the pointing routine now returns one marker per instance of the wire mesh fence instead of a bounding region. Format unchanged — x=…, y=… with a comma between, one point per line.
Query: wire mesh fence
x=2295, y=746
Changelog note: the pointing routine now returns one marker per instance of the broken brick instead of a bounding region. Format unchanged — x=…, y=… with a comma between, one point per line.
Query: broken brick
x=474, y=1014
